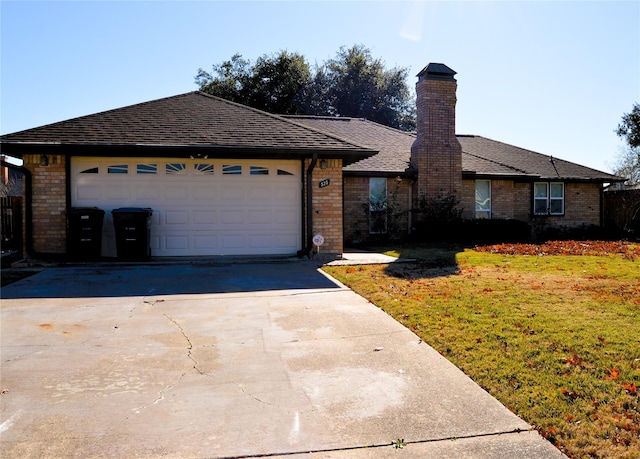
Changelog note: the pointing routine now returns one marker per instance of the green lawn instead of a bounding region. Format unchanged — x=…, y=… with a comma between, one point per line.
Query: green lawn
x=555, y=338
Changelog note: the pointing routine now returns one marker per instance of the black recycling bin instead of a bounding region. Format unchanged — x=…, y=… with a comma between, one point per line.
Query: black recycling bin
x=84, y=233
x=132, y=226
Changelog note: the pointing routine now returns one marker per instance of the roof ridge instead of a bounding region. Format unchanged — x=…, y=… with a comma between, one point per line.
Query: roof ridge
x=333, y=136
x=285, y=119
x=351, y=118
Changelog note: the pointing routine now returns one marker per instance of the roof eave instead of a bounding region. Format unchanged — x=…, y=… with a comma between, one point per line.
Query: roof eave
x=19, y=149
x=484, y=175
x=506, y=176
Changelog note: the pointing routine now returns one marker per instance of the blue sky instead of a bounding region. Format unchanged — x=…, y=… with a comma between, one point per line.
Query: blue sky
x=550, y=76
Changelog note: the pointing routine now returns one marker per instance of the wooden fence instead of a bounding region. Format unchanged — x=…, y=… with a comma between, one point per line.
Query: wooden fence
x=622, y=211
x=11, y=223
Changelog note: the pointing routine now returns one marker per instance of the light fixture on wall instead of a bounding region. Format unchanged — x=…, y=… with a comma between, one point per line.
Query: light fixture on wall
x=323, y=164
x=44, y=160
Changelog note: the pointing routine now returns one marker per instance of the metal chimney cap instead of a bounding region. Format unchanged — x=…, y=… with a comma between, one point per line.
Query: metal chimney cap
x=435, y=71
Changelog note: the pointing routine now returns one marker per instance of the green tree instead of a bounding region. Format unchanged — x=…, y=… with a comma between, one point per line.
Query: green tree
x=274, y=83
x=352, y=84
x=228, y=80
x=627, y=163
x=355, y=84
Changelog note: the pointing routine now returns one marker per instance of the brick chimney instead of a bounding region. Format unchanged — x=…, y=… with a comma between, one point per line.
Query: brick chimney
x=436, y=153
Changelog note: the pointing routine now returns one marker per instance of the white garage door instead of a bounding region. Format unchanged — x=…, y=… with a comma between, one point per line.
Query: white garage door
x=200, y=206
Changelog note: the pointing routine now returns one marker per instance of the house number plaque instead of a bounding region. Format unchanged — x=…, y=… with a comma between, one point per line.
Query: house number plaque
x=324, y=183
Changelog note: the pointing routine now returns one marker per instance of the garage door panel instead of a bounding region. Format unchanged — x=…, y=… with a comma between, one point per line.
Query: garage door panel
x=152, y=192
x=262, y=217
x=232, y=217
x=178, y=193
x=205, y=241
x=286, y=240
x=285, y=218
x=260, y=241
x=260, y=195
x=233, y=193
x=232, y=241
x=204, y=217
x=121, y=192
x=89, y=192
x=176, y=217
x=197, y=208
x=205, y=192
x=176, y=242
x=288, y=195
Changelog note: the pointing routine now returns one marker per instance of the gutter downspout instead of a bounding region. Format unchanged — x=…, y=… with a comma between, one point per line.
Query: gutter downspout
x=28, y=208
x=308, y=243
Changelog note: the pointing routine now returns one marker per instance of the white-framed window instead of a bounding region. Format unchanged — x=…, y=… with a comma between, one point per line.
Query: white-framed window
x=483, y=198
x=548, y=198
x=377, y=205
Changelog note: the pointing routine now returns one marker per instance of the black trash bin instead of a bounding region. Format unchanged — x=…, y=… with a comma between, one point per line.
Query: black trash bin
x=133, y=225
x=84, y=233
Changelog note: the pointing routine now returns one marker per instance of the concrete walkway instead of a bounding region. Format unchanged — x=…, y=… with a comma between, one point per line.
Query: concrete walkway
x=362, y=257
x=243, y=361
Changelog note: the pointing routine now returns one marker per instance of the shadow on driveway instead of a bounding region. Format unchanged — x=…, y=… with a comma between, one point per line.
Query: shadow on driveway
x=171, y=279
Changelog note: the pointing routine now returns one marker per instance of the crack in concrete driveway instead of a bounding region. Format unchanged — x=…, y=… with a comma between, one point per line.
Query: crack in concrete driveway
x=292, y=364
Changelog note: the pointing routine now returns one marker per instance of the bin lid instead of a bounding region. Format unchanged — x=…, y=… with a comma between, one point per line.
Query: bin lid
x=85, y=210
x=133, y=210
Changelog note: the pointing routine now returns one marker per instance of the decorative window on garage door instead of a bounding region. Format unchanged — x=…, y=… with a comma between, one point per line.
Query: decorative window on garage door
x=231, y=169
x=259, y=170
x=146, y=168
x=203, y=169
x=118, y=169
x=175, y=169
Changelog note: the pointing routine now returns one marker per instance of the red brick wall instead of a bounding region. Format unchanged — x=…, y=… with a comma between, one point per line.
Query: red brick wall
x=327, y=205
x=523, y=201
x=48, y=203
x=513, y=200
x=581, y=204
x=436, y=153
x=468, y=199
x=502, y=199
x=356, y=199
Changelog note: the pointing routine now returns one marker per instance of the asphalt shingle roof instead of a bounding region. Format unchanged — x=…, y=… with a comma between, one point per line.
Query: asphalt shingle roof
x=480, y=156
x=212, y=124
x=493, y=157
x=394, y=146
x=194, y=119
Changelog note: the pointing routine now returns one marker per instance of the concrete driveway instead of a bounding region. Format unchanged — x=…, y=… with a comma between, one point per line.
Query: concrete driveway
x=240, y=360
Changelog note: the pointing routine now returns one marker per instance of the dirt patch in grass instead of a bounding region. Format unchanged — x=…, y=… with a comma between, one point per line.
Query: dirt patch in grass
x=626, y=249
x=556, y=338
